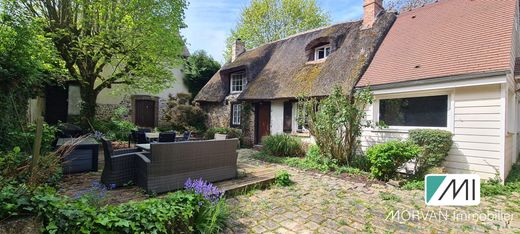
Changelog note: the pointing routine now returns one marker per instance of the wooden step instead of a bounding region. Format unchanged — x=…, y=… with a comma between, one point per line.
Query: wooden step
x=255, y=178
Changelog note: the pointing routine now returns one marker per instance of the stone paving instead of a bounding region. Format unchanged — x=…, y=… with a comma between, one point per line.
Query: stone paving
x=319, y=203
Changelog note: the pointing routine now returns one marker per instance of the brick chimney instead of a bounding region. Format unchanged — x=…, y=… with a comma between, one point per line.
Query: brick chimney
x=371, y=8
x=237, y=49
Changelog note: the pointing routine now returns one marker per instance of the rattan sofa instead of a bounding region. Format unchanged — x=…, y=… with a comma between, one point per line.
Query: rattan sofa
x=168, y=165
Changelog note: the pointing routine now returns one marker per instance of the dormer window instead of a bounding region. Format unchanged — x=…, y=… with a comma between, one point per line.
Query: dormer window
x=322, y=52
x=238, y=82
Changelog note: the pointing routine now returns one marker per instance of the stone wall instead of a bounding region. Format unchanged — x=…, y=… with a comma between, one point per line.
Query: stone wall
x=219, y=114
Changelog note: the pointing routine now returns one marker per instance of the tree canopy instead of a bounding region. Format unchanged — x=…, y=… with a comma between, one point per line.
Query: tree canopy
x=199, y=68
x=26, y=61
x=264, y=21
x=106, y=42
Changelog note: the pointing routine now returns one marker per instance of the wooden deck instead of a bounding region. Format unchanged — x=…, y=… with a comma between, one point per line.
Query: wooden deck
x=250, y=177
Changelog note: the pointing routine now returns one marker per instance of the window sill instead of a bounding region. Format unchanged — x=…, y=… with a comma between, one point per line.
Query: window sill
x=301, y=134
x=316, y=61
x=396, y=129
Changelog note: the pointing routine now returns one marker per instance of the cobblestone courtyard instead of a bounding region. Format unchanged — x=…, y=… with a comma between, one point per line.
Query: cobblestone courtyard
x=319, y=203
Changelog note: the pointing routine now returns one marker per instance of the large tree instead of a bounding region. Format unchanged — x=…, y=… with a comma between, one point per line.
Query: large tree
x=199, y=68
x=107, y=42
x=264, y=21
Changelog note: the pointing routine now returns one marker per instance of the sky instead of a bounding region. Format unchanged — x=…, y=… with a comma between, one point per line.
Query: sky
x=210, y=21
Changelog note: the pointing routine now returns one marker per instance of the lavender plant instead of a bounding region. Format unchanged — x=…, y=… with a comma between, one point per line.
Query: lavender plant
x=209, y=191
x=95, y=195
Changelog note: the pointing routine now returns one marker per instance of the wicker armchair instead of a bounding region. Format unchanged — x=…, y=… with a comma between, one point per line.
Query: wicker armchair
x=119, y=165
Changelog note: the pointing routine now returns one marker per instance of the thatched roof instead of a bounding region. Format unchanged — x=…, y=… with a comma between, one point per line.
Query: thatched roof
x=282, y=69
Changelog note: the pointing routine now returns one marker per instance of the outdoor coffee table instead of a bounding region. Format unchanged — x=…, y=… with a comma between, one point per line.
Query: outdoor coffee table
x=145, y=147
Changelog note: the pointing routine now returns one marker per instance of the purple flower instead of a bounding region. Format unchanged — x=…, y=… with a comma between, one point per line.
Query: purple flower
x=98, y=135
x=209, y=191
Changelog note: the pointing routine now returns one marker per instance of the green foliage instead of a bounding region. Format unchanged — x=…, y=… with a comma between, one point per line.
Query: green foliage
x=14, y=201
x=14, y=168
x=337, y=123
x=117, y=127
x=138, y=40
x=25, y=137
x=182, y=116
x=413, y=185
x=435, y=144
x=179, y=212
x=264, y=21
x=199, y=67
x=312, y=161
x=494, y=187
x=282, y=145
x=26, y=63
x=386, y=196
x=386, y=158
x=283, y=178
x=230, y=132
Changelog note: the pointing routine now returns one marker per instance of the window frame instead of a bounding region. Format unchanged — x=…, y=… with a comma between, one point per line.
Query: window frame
x=397, y=128
x=232, y=77
x=236, y=108
x=325, y=54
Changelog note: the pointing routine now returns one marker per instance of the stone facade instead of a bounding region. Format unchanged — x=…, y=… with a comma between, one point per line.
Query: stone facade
x=219, y=116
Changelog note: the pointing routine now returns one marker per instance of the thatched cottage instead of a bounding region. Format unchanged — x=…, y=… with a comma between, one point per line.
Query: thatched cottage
x=447, y=65
x=258, y=89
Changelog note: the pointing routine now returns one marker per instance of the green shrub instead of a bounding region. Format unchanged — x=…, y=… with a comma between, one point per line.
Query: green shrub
x=117, y=127
x=435, y=144
x=386, y=158
x=282, y=145
x=179, y=212
x=313, y=160
x=230, y=132
x=283, y=178
x=182, y=116
x=14, y=200
x=24, y=138
x=413, y=185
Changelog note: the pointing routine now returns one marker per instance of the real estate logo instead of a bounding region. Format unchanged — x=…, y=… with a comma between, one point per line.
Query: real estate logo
x=452, y=190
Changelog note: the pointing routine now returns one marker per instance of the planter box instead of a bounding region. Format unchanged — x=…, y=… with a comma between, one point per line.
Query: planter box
x=83, y=158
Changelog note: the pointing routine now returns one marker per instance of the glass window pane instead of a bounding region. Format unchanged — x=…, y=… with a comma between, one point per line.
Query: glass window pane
x=420, y=111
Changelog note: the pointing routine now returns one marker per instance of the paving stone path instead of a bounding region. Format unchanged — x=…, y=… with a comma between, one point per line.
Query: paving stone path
x=319, y=203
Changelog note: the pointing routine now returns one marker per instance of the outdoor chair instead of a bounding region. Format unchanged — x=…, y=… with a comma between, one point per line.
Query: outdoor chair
x=167, y=137
x=132, y=137
x=186, y=136
x=119, y=165
x=169, y=165
x=141, y=138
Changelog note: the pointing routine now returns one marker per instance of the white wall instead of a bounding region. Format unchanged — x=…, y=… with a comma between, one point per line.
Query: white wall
x=276, y=117
x=475, y=117
x=112, y=96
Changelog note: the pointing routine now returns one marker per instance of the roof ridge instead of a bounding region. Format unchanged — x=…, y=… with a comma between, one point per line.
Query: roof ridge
x=304, y=32
x=426, y=5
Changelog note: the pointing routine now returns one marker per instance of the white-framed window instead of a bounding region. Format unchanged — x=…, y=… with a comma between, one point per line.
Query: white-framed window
x=301, y=118
x=424, y=111
x=238, y=82
x=235, y=116
x=322, y=52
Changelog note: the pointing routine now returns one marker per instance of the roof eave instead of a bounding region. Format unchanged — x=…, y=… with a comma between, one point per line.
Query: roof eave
x=435, y=80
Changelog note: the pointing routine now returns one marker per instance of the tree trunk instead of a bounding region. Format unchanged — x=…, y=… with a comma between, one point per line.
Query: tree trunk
x=88, y=108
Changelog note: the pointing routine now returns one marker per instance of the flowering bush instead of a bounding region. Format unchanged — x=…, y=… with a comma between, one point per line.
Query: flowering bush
x=206, y=189
x=95, y=195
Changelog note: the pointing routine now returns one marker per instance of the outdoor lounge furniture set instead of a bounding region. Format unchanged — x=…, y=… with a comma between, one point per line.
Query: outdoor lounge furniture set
x=167, y=166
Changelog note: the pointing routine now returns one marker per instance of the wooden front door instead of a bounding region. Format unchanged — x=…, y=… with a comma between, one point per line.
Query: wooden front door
x=145, y=113
x=263, y=121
